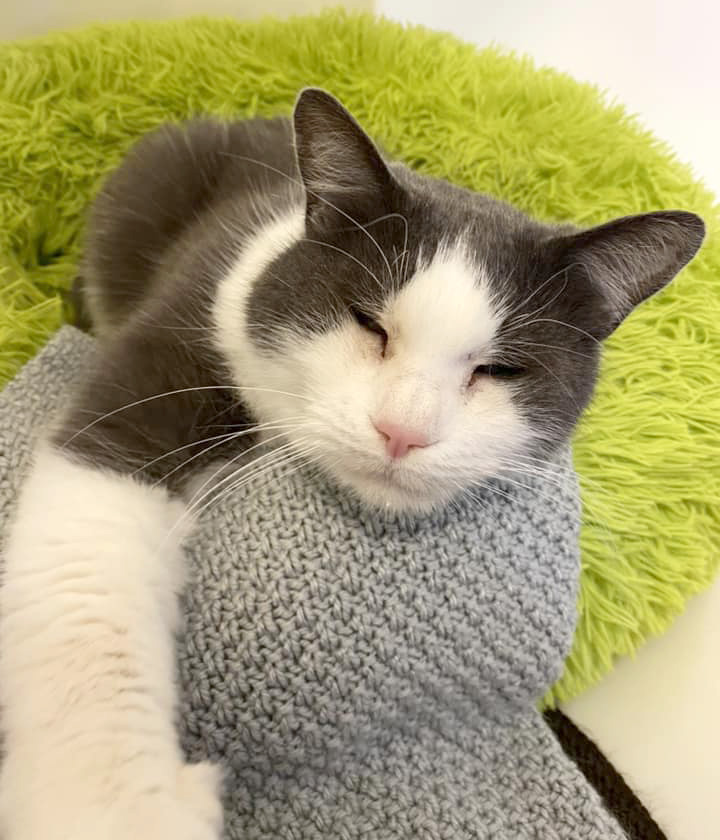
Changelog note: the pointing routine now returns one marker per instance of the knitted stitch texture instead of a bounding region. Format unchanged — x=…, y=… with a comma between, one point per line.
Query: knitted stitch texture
x=366, y=675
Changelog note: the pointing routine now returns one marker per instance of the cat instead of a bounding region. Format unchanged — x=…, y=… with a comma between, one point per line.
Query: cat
x=273, y=281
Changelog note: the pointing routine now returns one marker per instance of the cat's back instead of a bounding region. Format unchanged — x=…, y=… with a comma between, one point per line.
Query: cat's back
x=201, y=181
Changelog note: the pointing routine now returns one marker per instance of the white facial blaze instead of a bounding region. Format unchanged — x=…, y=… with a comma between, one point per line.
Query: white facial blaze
x=446, y=308
x=438, y=323
x=328, y=391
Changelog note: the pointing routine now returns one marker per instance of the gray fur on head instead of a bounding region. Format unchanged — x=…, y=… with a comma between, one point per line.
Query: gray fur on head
x=311, y=250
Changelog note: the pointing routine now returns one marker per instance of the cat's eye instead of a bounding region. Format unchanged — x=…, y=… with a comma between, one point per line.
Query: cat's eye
x=370, y=324
x=496, y=371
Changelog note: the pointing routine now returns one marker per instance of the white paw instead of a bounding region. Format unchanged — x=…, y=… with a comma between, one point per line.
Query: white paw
x=192, y=812
x=188, y=808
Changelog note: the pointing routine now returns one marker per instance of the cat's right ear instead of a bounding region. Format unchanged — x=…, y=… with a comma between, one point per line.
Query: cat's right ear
x=346, y=180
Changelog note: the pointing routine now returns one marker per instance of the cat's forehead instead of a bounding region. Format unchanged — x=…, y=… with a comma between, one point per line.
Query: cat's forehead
x=446, y=303
x=488, y=232
x=443, y=263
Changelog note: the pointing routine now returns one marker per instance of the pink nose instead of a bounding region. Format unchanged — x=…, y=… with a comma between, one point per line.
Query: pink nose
x=399, y=440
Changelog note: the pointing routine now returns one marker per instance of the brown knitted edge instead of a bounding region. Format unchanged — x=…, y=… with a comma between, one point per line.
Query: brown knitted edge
x=614, y=791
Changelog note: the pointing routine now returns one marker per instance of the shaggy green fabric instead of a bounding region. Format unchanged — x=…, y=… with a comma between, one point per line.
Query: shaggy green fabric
x=648, y=451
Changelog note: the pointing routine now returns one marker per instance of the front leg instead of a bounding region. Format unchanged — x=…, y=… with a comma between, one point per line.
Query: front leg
x=87, y=664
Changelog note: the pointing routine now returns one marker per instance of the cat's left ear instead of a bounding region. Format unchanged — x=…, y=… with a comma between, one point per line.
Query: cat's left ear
x=616, y=266
x=346, y=180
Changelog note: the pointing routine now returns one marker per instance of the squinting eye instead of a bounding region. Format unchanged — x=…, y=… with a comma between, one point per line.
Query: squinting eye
x=497, y=371
x=369, y=324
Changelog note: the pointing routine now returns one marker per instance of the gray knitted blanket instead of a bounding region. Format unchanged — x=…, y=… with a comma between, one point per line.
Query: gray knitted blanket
x=364, y=675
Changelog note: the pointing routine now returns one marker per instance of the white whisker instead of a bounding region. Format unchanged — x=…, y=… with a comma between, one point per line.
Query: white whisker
x=174, y=392
x=347, y=254
x=222, y=439
x=253, y=475
x=298, y=182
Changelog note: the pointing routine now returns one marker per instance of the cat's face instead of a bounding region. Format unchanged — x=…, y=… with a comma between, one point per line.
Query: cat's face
x=416, y=340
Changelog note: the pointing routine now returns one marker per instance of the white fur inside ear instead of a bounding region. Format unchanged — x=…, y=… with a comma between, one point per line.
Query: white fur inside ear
x=336, y=158
x=335, y=170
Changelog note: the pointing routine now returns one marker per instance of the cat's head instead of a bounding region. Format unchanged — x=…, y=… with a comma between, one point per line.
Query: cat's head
x=414, y=338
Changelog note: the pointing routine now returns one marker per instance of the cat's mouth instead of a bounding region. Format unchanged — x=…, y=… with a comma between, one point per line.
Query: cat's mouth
x=387, y=474
x=391, y=486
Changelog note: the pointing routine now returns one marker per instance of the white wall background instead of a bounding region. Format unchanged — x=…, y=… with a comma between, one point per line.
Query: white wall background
x=660, y=57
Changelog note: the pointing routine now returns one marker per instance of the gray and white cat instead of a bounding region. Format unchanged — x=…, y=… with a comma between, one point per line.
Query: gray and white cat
x=274, y=280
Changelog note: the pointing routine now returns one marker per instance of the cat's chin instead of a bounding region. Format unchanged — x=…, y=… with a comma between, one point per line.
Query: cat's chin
x=390, y=493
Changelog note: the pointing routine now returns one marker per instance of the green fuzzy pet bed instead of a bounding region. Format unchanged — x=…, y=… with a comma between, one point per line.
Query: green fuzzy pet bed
x=648, y=450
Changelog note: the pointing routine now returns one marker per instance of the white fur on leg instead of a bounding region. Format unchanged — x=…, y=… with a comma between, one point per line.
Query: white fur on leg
x=87, y=672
